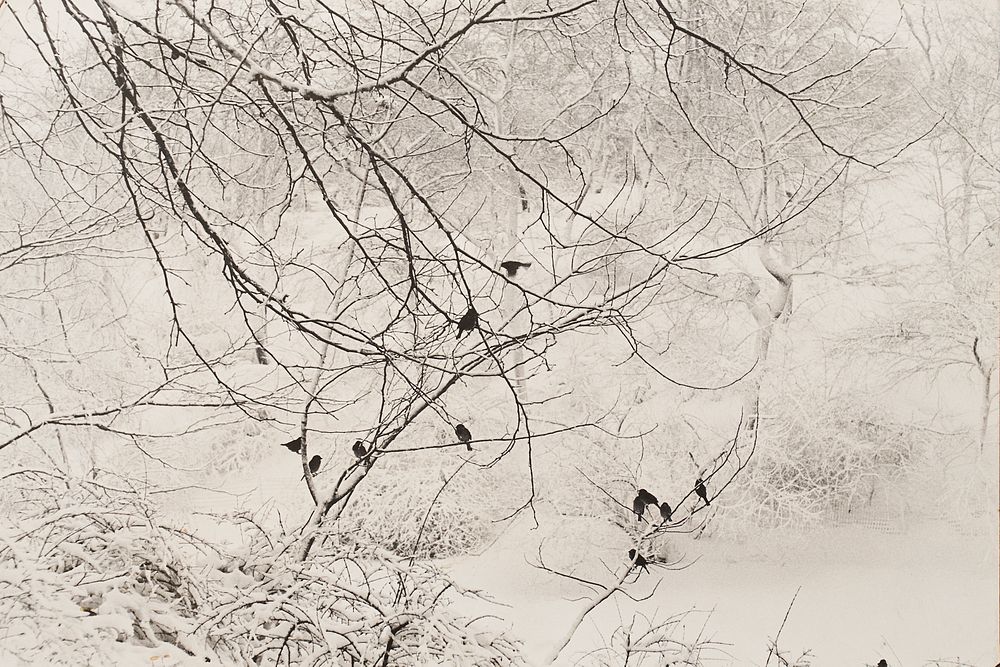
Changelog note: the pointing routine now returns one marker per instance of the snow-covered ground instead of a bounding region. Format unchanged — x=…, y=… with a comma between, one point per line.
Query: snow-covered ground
x=926, y=597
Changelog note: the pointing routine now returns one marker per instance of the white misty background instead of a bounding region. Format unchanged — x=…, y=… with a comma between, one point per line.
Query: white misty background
x=756, y=245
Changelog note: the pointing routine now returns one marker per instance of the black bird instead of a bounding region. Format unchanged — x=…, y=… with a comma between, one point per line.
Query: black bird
x=648, y=498
x=666, y=512
x=359, y=449
x=882, y=663
x=699, y=488
x=294, y=445
x=638, y=560
x=639, y=507
x=464, y=435
x=314, y=464
x=468, y=322
x=512, y=267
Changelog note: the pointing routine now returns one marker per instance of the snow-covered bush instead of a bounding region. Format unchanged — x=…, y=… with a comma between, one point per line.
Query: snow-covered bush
x=86, y=570
x=89, y=574
x=409, y=505
x=342, y=608
x=808, y=462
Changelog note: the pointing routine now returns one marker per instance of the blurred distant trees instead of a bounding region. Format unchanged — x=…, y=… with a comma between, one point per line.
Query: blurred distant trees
x=945, y=314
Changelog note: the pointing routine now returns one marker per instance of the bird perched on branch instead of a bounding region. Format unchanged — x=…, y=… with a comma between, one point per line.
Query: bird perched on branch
x=359, y=449
x=638, y=507
x=468, y=322
x=638, y=560
x=648, y=497
x=699, y=488
x=512, y=267
x=464, y=435
x=293, y=445
x=314, y=464
x=665, y=512
x=642, y=499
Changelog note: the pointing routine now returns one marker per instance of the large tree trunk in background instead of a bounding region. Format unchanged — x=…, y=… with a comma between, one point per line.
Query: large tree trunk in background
x=513, y=198
x=511, y=299
x=986, y=408
x=986, y=403
x=766, y=312
x=264, y=231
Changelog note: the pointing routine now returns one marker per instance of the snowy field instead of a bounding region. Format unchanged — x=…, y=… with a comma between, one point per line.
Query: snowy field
x=922, y=593
x=928, y=597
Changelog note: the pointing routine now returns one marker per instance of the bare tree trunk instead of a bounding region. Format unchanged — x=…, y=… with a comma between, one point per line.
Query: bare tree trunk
x=986, y=408
x=259, y=199
x=986, y=404
x=765, y=311
x=512, y=299
x=513, y=200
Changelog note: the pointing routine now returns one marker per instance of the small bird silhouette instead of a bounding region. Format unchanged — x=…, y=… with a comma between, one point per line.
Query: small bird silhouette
x=638, y=507
x=314, y=463
x=666, y=512
x=468, y=322
x=699, y=488
x=293, y=445
x=882, y=663
x=638, y=560
x=359, y=449
x=464, y=435
x=512, y=267
x=648, y=498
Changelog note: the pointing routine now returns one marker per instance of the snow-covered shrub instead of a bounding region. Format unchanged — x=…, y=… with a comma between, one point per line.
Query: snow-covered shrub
x=405, y=497
x=347, y=611
x=339, y=608
x=815, y=454
x=86, y=570
x=90, y=574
